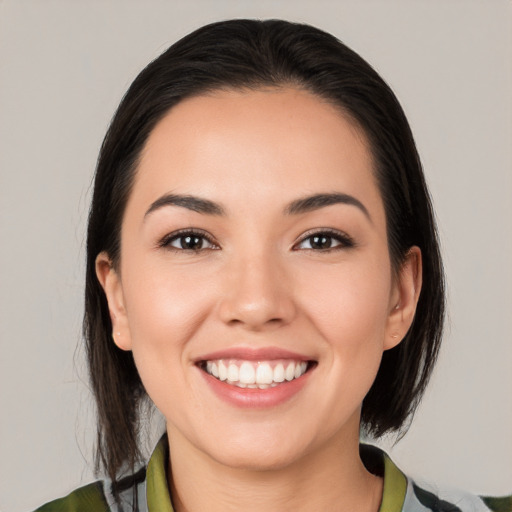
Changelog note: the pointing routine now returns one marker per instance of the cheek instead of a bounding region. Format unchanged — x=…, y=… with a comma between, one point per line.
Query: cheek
x=345, y=301
x=164, y=310
x=165, y=303
x=349, y=308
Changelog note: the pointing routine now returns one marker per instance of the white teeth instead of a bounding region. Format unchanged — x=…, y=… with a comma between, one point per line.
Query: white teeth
x=264, y=374
x=247, y=375
x=279, y=373
x=223, y=371
x=290, y=372
x=252, y=374
x=233, y=372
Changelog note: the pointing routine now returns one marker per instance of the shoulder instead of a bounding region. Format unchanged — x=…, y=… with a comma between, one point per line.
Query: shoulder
x=129, y=492
x=405, y=494
x=104, y=496
x=84, y=499
x=498, y=504
x=425, y=497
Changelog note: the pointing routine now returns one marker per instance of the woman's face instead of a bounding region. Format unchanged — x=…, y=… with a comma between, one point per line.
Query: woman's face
x=255, y=287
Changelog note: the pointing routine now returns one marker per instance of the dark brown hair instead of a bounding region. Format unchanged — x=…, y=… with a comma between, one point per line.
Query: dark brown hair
x=255, y=54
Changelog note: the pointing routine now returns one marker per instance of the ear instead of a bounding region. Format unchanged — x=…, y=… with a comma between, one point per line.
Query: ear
x=404, y=298
x=113, y=288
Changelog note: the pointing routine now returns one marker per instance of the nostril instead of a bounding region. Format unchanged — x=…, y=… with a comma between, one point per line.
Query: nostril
x=256, y=307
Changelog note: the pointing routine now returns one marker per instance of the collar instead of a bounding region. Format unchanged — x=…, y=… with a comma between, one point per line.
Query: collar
x=157, y=488
x=393, y=497
x=395, y=486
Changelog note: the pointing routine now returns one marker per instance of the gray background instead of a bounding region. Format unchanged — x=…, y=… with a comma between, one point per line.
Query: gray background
x=64, y=67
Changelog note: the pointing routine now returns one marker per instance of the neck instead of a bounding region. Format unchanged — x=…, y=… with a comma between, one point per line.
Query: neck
x=332, y=477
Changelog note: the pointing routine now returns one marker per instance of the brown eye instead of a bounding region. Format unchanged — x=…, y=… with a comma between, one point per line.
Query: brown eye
x=191, y=243
x=321, y=242
x=324, y=241
x=188, y=241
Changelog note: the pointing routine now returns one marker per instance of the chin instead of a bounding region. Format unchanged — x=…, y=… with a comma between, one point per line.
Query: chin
x=257, y=461
x=259, y=453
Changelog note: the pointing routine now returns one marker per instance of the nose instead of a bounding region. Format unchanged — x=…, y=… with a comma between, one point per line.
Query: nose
x=257, y=294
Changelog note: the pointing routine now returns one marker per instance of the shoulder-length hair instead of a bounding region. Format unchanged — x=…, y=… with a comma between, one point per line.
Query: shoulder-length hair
x=254, y=54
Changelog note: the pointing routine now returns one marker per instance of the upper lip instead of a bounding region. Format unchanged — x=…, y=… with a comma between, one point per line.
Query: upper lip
x=253, y=354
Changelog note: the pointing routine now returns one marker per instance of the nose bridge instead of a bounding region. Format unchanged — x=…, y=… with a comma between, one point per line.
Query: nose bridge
x=256, y=292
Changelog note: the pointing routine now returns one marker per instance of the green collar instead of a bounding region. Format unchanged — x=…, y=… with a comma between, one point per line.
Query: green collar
x=395, y=487
x=157, y=489
x=159, y=500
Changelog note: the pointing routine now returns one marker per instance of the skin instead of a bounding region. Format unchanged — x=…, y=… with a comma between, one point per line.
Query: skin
x=259, y=284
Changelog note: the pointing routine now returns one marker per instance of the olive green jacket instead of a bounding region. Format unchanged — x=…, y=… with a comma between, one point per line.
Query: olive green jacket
x=147, y=491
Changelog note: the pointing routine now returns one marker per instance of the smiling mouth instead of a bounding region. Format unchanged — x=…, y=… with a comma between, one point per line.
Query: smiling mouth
x=256, y=374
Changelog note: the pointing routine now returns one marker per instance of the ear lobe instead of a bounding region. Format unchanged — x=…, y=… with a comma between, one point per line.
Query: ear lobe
x=405, y=297
x=112, y=286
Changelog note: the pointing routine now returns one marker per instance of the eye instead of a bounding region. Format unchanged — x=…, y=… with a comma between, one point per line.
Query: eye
x=324, y=240
x=188, y=240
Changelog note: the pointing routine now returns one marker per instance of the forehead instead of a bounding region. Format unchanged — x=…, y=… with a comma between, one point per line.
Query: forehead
x=235, y=143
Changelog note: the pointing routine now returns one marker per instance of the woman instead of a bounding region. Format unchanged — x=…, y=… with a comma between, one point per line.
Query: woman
x=263, y=266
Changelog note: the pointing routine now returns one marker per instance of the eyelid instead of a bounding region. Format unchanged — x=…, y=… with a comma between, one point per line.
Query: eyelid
x=165, y=242
x=346, y=241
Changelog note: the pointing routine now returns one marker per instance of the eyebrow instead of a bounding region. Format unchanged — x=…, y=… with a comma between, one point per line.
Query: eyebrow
x=297, y=207
x=317, y=201
x=196, y=204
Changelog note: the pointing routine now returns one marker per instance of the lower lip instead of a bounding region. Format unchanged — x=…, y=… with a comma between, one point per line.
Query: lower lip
x=255, y=398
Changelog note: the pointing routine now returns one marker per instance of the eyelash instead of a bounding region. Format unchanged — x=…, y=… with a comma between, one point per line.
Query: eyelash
x=345, y=241
x=184, y=233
